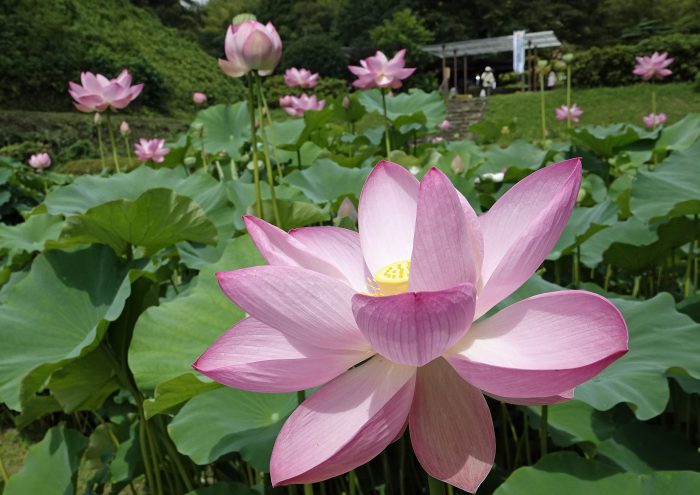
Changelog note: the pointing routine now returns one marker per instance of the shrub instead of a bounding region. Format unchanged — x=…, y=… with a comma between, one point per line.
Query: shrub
x=318, y=53
x=612, y=65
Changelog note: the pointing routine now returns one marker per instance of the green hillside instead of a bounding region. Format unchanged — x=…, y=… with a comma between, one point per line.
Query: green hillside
x=44, y=40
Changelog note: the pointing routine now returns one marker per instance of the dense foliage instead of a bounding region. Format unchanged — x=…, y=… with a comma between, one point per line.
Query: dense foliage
x=109, y=294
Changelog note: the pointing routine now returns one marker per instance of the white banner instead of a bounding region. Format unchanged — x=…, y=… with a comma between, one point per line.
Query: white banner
x=518, y=52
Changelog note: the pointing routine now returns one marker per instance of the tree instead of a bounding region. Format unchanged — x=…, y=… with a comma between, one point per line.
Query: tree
x=403, y=30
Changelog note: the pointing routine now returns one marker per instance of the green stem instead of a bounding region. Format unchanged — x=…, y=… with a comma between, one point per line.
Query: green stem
x=608, y=275
x=272, y=132
x=542, y=109
x=254, y=143
x=299, y=158
x=3, y=471
x=543, y=431
x=128, y=152
x=144, y=455
x=266, y=153
x=102, y=147
x=175, y=456
x=402, y=466
x=386, y=126
x=435, y=487
x=112, y=142
x=504, y=434
x=653, y=100
x=526, y=434
x=568, y=93
x=577, y=268
x=387, y=473
x=308, y=489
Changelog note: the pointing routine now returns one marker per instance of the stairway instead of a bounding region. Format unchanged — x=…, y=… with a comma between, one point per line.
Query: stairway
x=462, y=112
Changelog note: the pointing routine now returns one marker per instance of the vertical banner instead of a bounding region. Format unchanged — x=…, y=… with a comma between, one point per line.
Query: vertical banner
x=518, y=52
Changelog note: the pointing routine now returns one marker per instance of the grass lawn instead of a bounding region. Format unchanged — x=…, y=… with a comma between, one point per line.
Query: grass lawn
x=601, y=106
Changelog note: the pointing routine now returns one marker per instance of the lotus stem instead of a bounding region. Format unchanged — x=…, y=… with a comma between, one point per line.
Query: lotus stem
x=387, y=142
x=299, y=158
x=112, y=142
x=435, y=487
x=543, y=431
x=254, y=145
x=272, y=132
x=542, y=109
x=504, y=433
x=266, y=153
x=568, y=92
x=128, y=152
x=3, y=471
x=102, y=147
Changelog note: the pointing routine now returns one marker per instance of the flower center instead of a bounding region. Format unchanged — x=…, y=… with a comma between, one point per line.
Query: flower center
x=392, y=279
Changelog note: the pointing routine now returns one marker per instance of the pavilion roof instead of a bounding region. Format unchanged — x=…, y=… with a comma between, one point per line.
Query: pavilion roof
x=541, y=39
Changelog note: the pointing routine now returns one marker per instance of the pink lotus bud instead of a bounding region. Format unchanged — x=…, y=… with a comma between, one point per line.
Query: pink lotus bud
x=40, y=161
x=151, y=149
x=96, y=93
x=444, y=125
x=251, y=46
x=124, y=128
x=199, y=98
x=380, y=72
x=347, y=209
x=300, y=77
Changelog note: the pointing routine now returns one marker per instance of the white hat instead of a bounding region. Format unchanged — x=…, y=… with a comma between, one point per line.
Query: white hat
x=488, y=69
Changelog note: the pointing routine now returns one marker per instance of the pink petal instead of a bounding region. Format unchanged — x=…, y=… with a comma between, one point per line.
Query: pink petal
x=280, y=248
x=338, y=247
x=523, y=226
x=442, y=244
x=537, y=401
x=415, y=327
x=541, y=346
x=301, y=303
x=233, y=68
x=451, y=428
x=253, y=356
x=387, y=215
x=344, y=424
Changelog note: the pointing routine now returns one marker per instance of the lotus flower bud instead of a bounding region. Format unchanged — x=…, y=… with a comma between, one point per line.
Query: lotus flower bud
x=124, y=128
x=249, y=46
x=414, y=170
x=505, y=131
x=346, y=102
x=347, y=209
x=199, y=98
x=241, y=18
x=568, y=58
x=97, y=118
x=457, y=165
x=190, y=161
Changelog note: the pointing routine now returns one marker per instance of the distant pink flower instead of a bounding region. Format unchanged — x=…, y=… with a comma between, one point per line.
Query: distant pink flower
x=300, y=77
x=40, y=161
x=566, y=113
x=124, y=128
x=379, y=72
x=285, y=101
x=151, y=149
x=444, y=125
x=437, y=139
x=347, y=209
x=652, y=120
x=302, y=104
x=388, y=323
x=251, y=46
x=97, y=93
x=199, y=98
x=653, y=67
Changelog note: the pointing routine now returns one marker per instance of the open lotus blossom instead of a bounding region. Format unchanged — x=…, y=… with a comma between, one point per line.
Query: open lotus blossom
x=654, y=119
x=379, y=72
x=249, y=46
x=300, y=77
x=389, y=322
x=285, y=101
x=151, y=149
x=444, y=125
x=653, y=67
x=299, y=105
x=40, y=161
x=97, y=93
x=199, y=98
x=568, y=113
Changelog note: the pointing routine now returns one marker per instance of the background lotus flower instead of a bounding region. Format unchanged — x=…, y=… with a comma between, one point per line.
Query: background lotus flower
x=251, y=46
x=199, y=98
x=437, y=139
x=285, y=101
x=302, y=104
x=97, y=93
x=300, y=77
x=568, y=113
x=151, y=149
x=124, y=128
x=653, y=67
x=379, y=72
x=40, y=161
x=411, y=334
x=347, y=209
x=652, y=120
x=444, y=125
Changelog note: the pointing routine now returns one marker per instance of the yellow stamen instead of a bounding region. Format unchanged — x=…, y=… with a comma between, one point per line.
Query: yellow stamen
x=392, y=279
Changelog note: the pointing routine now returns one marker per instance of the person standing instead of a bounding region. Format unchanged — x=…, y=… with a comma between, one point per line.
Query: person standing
x=488, y=82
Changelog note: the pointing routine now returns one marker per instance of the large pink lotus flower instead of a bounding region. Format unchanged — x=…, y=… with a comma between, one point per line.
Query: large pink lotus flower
x=251, y=46
x=654, y=119
x=390, y=323
x=300, y=77
x=568, y=113
x=151, y=149
x=653, y=67
x=98, y=93
x=298, y=106
x=380, y=72
x=39, y=161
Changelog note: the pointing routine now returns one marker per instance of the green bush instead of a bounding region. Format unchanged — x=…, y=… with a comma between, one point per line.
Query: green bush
x=318, y=53
x=613, y=65
x=44, y=44
x=327, y=87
